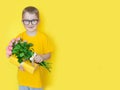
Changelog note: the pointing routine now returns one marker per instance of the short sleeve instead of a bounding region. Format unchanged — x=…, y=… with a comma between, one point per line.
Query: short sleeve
x=47, y=46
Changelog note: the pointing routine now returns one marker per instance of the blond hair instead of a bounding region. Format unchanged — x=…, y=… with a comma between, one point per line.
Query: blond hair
x=32, y=10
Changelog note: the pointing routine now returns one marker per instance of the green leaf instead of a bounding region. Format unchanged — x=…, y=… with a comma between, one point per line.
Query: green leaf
x=21, y=54
x=45, y=65
x=17, y=46
x=20, y=60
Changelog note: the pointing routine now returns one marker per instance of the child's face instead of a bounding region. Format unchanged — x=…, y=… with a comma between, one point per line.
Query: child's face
x=30, y=21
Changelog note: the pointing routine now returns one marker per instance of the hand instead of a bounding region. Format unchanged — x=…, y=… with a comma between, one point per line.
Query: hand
x=38, y=58
x=21, y=68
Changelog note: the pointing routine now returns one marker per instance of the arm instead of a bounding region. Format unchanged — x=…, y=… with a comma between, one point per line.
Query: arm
x=46, y=56
x=41, y=57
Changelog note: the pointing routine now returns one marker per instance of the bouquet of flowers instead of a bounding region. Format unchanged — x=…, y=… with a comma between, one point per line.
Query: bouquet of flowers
x=23, y=51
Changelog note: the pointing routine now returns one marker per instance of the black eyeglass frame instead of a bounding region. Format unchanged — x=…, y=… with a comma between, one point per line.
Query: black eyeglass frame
x=30, y=21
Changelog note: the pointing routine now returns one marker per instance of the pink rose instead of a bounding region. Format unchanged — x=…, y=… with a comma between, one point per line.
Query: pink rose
x=13, y=40
x=16, y=42
x=10, y=47
x=17, y=39
x=9, y=52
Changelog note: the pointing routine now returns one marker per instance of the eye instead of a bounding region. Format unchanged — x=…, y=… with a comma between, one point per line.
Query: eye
x=26, y=22
x=34, y=22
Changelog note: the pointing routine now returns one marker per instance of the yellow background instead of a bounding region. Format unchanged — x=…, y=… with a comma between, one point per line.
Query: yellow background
x=86, y=39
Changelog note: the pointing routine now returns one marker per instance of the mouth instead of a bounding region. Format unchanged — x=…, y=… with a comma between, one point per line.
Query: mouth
x=30, y=27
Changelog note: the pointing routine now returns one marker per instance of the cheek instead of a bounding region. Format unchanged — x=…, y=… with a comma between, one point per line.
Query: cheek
x=25, y=26
x=33, y=26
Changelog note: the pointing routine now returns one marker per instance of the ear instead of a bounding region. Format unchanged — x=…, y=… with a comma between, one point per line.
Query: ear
x=38, y=21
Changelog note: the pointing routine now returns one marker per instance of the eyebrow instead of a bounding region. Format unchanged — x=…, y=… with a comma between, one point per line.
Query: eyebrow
x=29, y=19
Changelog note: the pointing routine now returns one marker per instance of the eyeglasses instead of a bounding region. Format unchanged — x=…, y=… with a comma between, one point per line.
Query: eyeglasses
x=33, y=21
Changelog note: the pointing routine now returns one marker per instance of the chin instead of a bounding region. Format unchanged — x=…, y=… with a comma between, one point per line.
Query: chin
x=31, y=30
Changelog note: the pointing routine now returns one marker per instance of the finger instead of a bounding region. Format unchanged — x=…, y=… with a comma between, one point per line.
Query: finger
x=41, y=59
x=32, y=63
x=37, y=61
x=22, y=69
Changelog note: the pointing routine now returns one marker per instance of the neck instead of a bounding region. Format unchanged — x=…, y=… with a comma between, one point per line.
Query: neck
x=33, y=33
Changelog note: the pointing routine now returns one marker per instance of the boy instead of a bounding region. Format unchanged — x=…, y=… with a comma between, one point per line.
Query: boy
x=41, y=45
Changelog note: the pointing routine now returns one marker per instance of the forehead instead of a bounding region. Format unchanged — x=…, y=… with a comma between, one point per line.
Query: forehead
x=29, y=16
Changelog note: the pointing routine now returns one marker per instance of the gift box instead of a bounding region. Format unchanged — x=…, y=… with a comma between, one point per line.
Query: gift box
x=27, y=65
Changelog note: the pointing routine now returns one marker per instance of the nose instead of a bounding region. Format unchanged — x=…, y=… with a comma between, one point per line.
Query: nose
x=30, y=23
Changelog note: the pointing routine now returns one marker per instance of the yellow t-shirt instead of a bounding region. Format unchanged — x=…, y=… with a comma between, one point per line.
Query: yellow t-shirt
x=41, y=45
